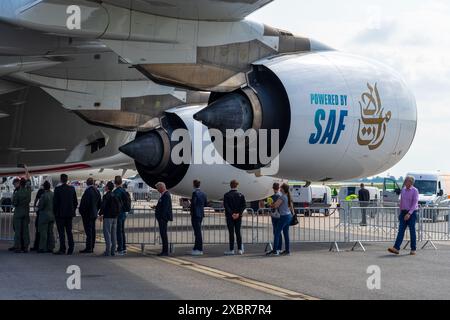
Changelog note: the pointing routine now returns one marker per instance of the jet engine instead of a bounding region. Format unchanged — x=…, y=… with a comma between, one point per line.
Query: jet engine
x=335, y=116
x=154, y=151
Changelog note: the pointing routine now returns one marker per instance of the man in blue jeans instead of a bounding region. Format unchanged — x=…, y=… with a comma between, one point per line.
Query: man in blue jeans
x=275, y=215
x=409, y=204
x=121, y=193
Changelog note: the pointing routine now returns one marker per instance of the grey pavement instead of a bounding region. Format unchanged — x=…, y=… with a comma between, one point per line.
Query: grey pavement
x=43, y=276
x=315, y=271
x=311, y=270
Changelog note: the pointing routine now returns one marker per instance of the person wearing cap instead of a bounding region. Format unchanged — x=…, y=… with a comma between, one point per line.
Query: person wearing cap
x=46, y=220
x=21, y=218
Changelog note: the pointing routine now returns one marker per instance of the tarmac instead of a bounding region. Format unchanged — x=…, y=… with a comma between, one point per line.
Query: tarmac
x=311, y=272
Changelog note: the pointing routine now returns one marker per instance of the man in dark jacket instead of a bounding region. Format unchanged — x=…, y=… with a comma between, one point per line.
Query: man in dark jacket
x=65, y=203
x=89, y=206
x=163, y=213
x=234, y=204
x=109, y=213
x=198, y=204
x=364, y=198
x=122, y=194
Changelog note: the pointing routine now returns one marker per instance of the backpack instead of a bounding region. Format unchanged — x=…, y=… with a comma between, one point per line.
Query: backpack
x=126, y=201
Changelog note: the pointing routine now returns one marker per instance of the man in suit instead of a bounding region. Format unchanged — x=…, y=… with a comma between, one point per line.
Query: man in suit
x=65, y=203
x=364, y=198
x=198, y=204
x=234, y=204
x=163, y=213
x=89, y=207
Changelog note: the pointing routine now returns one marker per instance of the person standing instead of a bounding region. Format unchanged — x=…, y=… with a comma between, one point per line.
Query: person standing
x=125, y=201
x=16, y=185
x=21, y=218
x=198, y=203
x=364, y=198
x=89, y=207
x=409, y=204
x=234, y=204
x=285, y=207
x=65, y=203
x=275, y=215
x=164, y=214
x=36, y=222
x=109, y=213
x=46, y=220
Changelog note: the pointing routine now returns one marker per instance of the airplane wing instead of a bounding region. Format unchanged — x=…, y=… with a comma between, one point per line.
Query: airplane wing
x=211, y=10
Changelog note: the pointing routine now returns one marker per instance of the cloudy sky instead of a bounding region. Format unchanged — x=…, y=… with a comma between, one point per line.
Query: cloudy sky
x=413, y=36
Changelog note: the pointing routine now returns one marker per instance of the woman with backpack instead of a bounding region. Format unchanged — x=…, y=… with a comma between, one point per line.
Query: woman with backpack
x=285, y=209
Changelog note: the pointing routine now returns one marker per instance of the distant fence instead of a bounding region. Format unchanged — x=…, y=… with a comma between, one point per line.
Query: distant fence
x=316, y=225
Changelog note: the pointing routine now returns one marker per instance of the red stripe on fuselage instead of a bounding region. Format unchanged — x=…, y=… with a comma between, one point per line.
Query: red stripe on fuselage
x=72, y=167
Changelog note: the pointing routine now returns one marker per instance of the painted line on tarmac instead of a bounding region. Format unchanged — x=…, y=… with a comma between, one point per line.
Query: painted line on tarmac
x=229, y=277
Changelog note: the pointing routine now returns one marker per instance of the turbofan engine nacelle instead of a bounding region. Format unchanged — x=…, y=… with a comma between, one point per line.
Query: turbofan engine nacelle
x=337, y=116
x=153, y=150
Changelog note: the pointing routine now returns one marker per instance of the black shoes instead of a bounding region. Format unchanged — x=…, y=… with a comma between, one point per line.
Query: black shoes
x=59, y=253
x=162, y=254
x=12, y=249
x=86, y=251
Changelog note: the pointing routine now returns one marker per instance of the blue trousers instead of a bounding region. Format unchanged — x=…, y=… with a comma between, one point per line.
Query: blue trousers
x=411, y=224
x=197, y=226
x=275, y=222
x=283, y=227
x=121, y=238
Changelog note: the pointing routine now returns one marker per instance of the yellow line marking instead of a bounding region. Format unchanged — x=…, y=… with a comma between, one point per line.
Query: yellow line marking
x=226, y=276
x=233, y=278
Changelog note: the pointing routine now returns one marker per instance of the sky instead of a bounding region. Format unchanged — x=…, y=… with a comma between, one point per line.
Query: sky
x=411, y=36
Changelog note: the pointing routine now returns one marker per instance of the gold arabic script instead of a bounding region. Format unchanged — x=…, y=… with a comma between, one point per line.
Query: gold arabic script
x=373, y=122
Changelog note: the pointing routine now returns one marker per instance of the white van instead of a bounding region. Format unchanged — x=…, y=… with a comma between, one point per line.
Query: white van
x=433, y=187
x=311, y=196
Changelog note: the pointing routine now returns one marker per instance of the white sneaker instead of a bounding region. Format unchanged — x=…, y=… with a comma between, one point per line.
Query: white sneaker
x=197, y=253
x=229, y=253
x=277, y=253
x=241, y=252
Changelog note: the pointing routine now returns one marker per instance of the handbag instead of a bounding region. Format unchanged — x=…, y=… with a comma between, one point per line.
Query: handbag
x=294, y=220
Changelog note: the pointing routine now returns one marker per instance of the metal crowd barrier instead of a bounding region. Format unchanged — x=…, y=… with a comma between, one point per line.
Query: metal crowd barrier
x=316, y=225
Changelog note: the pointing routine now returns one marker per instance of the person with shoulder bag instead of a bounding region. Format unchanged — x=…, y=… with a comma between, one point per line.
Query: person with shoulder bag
x=284, y=206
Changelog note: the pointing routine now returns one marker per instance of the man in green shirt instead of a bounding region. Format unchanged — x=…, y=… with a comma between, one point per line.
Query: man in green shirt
x=46, y=220
x=21, y=218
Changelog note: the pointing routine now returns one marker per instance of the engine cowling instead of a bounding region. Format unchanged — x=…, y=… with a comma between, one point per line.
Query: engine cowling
x=339, y=116
x=153, y=150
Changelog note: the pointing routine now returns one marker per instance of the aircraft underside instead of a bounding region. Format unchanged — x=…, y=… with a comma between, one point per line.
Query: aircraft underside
x=106, y=85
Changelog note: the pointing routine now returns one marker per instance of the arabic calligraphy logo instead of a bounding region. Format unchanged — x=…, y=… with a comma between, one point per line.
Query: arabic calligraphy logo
x=373, y=122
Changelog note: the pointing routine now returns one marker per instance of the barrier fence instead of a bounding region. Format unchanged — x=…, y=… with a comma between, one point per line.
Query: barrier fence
x=335, y=226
